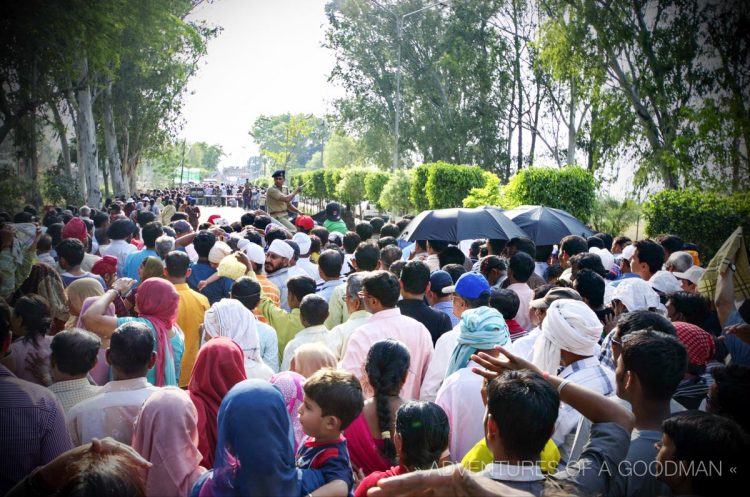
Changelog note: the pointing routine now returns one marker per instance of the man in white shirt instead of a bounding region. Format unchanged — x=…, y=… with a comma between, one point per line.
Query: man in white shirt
x=357, y=313
x=313, y=311
x=470, y=292
x=120, y=232
x=543, y=297
x=380, y=294
x=520, y=269
x=113, y=411
x=303, y=262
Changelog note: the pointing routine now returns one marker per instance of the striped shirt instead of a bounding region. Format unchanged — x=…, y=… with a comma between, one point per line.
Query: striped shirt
x=32, y=428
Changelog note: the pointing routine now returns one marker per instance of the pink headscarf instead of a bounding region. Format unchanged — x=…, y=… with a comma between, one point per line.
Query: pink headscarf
x=100, y=372
x=290, y=384
x=166, y=434
x=157, y=301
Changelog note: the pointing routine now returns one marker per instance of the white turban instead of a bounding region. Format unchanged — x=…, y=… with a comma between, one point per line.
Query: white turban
x=568, y=325
x=229, y=318
x=218, y=252
x=255, y=253
x=282, y=249
x=303, y=241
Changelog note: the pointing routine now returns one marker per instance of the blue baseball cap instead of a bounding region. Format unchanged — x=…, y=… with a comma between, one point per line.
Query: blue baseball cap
x=469, y=285
x=440, y=279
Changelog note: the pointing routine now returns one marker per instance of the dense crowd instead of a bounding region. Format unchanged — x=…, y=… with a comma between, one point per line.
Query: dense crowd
x=145, y=352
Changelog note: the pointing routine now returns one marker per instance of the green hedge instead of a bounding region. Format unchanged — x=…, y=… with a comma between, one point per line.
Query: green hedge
x=704, y=218
x=489, y=194
x=418, y=187
x=572, y=189
x=332, y=178
x=395, y=197
x=351, y=187
x=374, y=183
x=448, y=184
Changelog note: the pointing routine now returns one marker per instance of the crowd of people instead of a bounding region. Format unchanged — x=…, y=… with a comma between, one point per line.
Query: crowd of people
x=148, y=353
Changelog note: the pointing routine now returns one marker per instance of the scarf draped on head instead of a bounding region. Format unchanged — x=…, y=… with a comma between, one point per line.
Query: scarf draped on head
x=482, y=328
x=78, y=292
x=220, y=365
x=229, y=318
x=568, y=325
x=252, y=458
x=45, y=280
x=157, y=301
x=290, y=384
x=100, y=372
x=166, y=434
x=311, y=357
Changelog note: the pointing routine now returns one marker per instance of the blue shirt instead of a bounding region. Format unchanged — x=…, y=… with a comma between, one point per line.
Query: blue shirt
x=215, y=291
x=739, y=350
x=447, y=308
x=133, y=262
x=269, y=345
x=331, y=459
x=200, y=271
x=171, y=364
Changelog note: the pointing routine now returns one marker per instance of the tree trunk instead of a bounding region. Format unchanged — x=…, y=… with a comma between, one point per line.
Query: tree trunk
x=87, y=160
x=572, y=124
x=105, y=174
x=110, y=144
x=517, y=47
x=534, y=131
x=62, y=131
x=132, y=165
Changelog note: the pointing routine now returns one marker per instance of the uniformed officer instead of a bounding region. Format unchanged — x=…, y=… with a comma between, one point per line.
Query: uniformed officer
x=277, y=204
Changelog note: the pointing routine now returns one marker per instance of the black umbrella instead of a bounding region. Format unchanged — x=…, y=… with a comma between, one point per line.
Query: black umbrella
x=546, y=225
x=461, y=224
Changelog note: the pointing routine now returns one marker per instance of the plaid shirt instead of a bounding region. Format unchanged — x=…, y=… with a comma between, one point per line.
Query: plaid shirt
x=72, y=392
x=606, y=357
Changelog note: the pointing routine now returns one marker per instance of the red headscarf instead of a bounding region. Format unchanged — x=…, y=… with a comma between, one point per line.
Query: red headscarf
x=105, y=265
x=157, y=301
x=219, y=366
x=76, y=228
x=698, y=342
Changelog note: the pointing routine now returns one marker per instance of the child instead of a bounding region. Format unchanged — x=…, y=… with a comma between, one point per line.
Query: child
x=333, y=399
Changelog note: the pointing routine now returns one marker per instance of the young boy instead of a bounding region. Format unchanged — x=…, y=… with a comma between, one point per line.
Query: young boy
x=333, y=399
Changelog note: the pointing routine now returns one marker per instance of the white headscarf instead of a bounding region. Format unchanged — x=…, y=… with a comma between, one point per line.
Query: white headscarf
x=229, y=318
x=568, y=325
x=636, y=294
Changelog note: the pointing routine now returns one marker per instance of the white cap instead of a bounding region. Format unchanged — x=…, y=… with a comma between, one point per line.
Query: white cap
x=242, y=243
x=608, y=260
x=636, y=294
x=255, y=253
x=665, y=282
x=303, y=242
x=218, y=252
x=627, y=252
x=282, y=249
x=693, y=274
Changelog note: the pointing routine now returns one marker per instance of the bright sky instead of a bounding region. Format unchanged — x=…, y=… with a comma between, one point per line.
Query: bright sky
x=267, y=59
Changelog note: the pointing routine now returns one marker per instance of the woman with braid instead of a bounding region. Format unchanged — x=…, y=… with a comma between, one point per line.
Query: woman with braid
x=370, y=436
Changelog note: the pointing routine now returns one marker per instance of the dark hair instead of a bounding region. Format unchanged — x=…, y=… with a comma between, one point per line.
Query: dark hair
x=386, y=241
x=438, y=246
x=590, y=261
x=505, y=301
x=606, y=238
x=150, y=233
x=276, y=233
x=386, y=367
x=45, y=243
x=403, y=223
x=496, y=246
x=130, y=347
x=522, y=265
x=247, y=290
x=573, y=244
x=35, y=316
x=651, y=253
x=23, y=217
x=424, y=430
x=203, y=243
x=350, y=242
x=313, y=310
x=643, y=320
x=706, y=440
x=659, y=360
x=177, y=264
x=330, y=262
x=254, y=237
x=591, y=287
x=247, y=219
x=72, y=250
x=415, y=276
x=100, y=219
x=694, y=307
x=390, y=229
x=482, y=300
x=384, y=286
x=145, y=217
x=338, y=393
x=364, y=230
x=111, y=474
x=300, y=286
x=55, y=231
x=543, y=252
x=376, y=223
x=322, y=234
x=367, y=256
x=74, y=351
x=524, y=407
x=523, y=244
x=621, y=241
x=262, y=221
x=554, y=271
x=389, y=255
x=671, y=243
x=396, y=268
x=595, y=241
x=476, y=248
x=451, y=255
x=730, y=397
x=455, y=270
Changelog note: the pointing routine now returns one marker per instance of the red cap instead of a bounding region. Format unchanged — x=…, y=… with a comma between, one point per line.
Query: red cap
x=213, y=218
x=304, y=222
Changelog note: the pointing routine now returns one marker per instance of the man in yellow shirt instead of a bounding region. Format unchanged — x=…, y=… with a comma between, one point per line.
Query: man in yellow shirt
x=190, y=310
x=277, y=204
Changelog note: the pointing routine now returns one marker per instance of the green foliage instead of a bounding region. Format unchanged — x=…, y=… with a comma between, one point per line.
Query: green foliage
x=614, y=216
x=374, y=183
x=13, y=190
x=489, y=194
x=341, y=150
x=448, y=184
x=60, y=189
x=262, y=182
x=331, y=178
x=418, y=189
x=289, y=141
x=395, y=197
x=571, y=188
x=705, y=218
x=351, y=187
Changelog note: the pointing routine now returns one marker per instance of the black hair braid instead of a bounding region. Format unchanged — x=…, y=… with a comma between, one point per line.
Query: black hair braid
x=387, y=364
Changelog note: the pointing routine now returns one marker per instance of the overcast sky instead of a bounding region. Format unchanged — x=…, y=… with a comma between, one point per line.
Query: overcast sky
x=267, y=59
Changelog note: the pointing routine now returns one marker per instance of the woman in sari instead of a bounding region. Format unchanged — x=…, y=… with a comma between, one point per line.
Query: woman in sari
x=290, y=384
x=219, y=366
x=156, y=305
x=229, y=318
x=166, y=434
